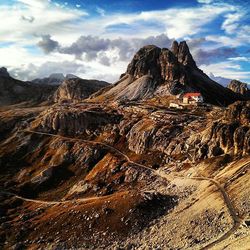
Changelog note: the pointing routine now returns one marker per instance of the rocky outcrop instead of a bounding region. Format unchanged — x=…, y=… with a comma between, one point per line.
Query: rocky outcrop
x=228, y=135
x=75, y=122
x=239, y=87
x=173, y=136
x=153, y=70
x=77, y=89
x=4, y=72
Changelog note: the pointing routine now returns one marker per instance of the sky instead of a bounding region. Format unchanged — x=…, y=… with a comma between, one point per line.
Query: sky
x=98, y=38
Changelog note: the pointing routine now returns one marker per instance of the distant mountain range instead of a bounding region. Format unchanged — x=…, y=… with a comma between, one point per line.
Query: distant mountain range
x=54, y=79
x=221, y=80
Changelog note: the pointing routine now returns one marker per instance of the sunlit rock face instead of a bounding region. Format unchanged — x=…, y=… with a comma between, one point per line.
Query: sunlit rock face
x=76, y=89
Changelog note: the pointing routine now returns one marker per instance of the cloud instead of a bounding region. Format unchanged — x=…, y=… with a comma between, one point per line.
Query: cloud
x=29, y=19
x=205, y=1
x=206, y=57
x=47, y=44
x=227, y=69
x=89, y=45
x=32, y=71
x=93, y=47
x=240, y=59
x=100, y=11
x=35, y=3
x=232, y=22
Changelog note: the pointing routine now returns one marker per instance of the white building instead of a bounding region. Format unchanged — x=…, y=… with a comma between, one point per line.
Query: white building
x=192, y=98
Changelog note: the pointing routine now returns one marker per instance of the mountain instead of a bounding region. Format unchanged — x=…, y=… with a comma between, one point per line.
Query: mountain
x=54, y=79
x=72, y=88
x=76, y=89
x=221, y=80
x=240, y=88
x=14, y=91
x=161, y=72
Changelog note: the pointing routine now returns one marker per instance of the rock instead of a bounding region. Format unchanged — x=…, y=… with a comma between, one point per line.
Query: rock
x=239, y=87
x=4, y=72
x=18, y=246
x=43, y=177
x=216, y=150
x=76, y=121
x=131, y=175
x=76, y=89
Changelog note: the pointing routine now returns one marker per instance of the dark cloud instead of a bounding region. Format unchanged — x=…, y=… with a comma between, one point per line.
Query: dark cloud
x=103, y=59
x=92, y=47
x=207, y=57
x=128, y=48
x=47, y=44
x=88, y=45
x=29, y=19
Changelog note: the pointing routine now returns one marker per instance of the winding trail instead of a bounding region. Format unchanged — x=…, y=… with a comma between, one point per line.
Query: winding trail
x=232, y=211
x=52, y=202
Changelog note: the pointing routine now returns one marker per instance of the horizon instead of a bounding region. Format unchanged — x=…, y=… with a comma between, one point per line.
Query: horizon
x=96, y=39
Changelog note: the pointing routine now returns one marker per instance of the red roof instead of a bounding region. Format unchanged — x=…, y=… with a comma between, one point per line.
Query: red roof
x=192, y=94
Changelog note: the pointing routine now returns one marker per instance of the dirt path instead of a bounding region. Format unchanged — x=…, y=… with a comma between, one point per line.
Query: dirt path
x=52, y=202
x=237, y=221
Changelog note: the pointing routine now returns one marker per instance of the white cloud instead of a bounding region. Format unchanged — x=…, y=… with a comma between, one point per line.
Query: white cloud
x=46, y=18
x=240, y=59
x=35, y=3
x=205, y=1
x=232, y=22
x=175, y=22
x=227, y=69
x=100, y=11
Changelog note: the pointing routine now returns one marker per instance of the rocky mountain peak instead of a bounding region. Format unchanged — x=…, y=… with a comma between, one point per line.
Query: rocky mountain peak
x=182, y=52
x=156, y=71
x=161, y=64
x=145, y=62
x=238, y=87
x=175, y=48
x=4, y=72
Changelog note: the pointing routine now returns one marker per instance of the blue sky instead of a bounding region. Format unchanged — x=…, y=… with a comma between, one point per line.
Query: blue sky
x=97, y=38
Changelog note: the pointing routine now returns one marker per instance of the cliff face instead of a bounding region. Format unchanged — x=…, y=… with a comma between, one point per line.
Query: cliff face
x=228, y=135
x=77, y=89
x=231, y=134
x=239, y=87
x=154, y=70
x=74, y=121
